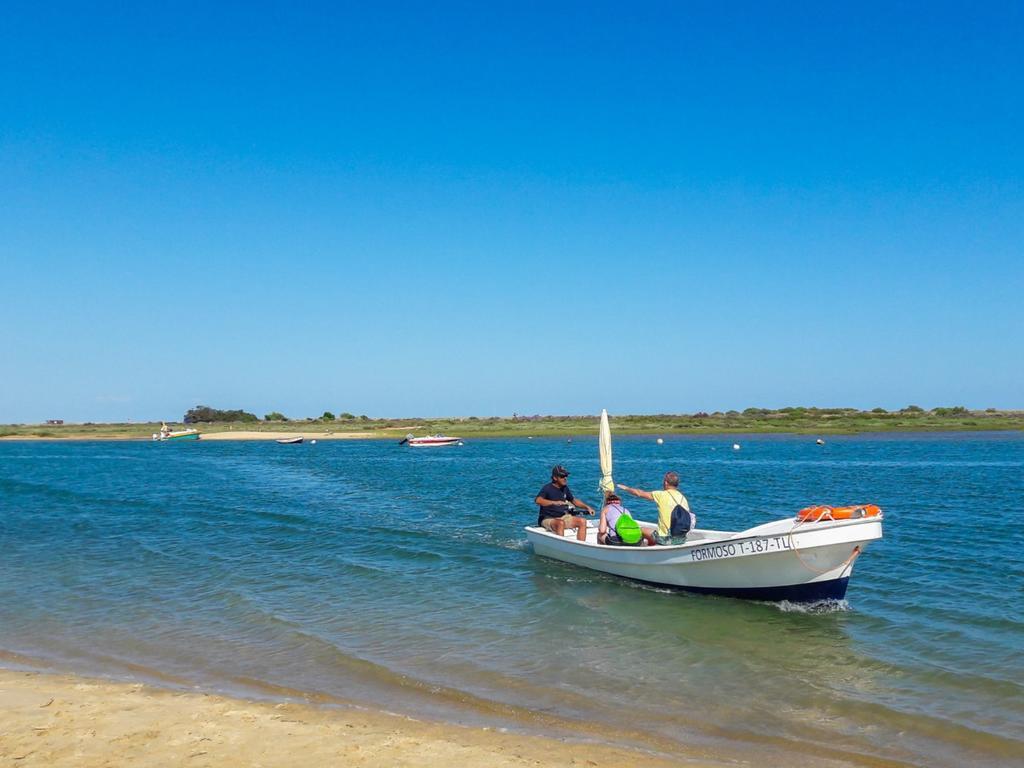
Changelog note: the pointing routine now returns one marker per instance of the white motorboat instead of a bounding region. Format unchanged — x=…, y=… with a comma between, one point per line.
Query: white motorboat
x=430, y=441
x=802, y=559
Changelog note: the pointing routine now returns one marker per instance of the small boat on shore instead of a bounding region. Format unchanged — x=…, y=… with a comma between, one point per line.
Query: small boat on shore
x=430, y=441
x=166, y=433
x=289, y=440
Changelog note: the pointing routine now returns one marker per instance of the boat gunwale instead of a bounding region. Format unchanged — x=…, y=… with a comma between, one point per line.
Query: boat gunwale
x=822, y=525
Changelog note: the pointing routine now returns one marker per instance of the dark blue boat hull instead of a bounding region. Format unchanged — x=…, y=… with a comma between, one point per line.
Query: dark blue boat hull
x=796, y=593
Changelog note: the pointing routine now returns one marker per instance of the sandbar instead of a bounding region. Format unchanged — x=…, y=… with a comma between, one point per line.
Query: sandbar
x=254, y=435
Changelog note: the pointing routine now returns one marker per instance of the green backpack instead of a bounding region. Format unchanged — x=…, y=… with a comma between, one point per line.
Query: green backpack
x=628, y=530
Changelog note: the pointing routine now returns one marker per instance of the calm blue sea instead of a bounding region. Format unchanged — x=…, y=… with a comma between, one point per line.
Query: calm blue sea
x=367, y=572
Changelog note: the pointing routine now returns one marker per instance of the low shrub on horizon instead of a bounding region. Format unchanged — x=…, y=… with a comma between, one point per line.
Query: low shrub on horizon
x=205, y=414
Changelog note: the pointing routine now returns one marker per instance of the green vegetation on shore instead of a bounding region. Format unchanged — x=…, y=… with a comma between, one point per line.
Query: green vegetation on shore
x=821, y=421
x=204, y=413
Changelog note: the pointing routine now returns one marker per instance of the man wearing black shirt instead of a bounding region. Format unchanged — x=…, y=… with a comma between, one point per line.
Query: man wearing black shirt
x=556, y=506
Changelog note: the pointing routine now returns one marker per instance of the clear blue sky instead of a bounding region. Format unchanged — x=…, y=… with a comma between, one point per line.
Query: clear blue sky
x=471, y=208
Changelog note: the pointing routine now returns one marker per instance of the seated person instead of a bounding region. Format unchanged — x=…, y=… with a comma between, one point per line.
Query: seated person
x=557, y=506
x=673, y=510
x=611, y=513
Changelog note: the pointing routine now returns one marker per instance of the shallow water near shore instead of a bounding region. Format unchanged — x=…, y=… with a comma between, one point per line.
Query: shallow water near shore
x=365, y=571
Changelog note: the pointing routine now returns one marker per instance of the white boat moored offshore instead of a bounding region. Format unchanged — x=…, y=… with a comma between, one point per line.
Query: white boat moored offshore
x=430, y=441
x=789, y=559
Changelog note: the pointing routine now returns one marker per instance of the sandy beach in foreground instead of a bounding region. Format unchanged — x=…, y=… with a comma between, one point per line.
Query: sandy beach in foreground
x=60, y=720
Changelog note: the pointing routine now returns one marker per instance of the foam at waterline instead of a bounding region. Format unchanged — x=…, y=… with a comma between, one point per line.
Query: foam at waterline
x=818, y=606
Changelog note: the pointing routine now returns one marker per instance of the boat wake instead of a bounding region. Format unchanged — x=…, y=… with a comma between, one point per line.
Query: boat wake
x=518, y=545
x=645, y=587
x=818, y=606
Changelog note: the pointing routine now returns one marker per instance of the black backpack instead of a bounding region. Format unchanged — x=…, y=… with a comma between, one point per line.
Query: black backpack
x=681, y=520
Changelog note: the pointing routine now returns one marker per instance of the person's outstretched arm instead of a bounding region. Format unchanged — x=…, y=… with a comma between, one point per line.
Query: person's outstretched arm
x=636, y=492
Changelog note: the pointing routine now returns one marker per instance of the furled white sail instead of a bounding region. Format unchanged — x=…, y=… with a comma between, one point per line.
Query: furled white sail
x=604, y=441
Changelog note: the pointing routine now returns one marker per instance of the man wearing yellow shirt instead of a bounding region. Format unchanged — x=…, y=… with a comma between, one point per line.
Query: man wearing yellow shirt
x=667, y=499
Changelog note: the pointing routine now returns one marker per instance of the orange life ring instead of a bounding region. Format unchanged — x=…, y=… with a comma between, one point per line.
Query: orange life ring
x=814, y=514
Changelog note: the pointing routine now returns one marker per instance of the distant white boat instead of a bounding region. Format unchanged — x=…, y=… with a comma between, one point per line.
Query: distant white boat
x=430, y=441
x=289, y=440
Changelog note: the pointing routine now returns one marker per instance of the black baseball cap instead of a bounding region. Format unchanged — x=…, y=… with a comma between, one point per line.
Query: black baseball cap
x=559, y=471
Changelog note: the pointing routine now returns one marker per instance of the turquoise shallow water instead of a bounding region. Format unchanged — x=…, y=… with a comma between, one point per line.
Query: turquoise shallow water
x=364, y=571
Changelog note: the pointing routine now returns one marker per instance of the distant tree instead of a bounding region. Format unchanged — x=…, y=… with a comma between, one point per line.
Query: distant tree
x=364, y=417
x=879, y=410
x=956, y=410
x=991, y=410
x=346, y=416
x=275, y=416
x=328, y=416
x=912, y=409
x=206, y=414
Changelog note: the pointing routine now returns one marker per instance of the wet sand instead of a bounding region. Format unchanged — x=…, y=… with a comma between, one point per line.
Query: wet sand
x=60, y=720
